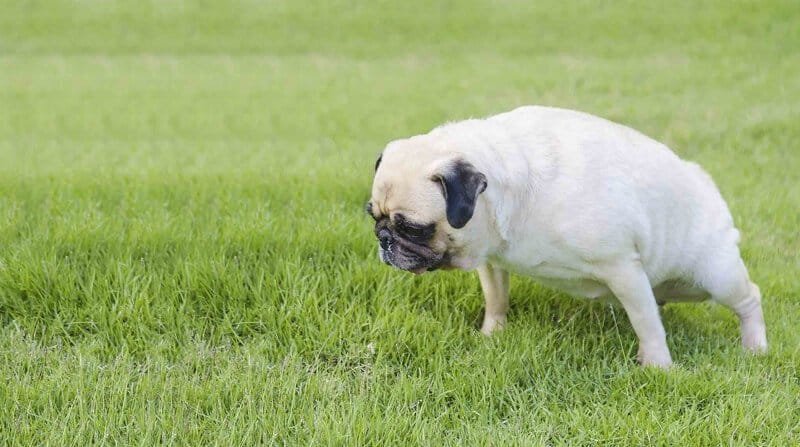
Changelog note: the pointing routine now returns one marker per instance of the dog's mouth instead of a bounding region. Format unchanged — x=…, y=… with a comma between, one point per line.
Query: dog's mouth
x=421, y=270
x=418, y=261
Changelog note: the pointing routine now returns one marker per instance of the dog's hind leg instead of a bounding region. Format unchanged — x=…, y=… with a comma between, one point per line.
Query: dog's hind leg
x=726, y=279
x=629, y=283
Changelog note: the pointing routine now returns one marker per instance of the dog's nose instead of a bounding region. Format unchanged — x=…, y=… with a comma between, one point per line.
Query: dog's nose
x=385, y=238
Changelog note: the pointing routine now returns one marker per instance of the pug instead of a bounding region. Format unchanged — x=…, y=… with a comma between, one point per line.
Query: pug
x=578, y=203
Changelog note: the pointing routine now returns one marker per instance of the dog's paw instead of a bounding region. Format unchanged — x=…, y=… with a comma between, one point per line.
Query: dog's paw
x=492, y=323
x=754, y=339
x=659, y=358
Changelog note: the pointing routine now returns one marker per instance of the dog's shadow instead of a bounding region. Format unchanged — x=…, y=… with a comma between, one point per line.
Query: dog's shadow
x=693, y=329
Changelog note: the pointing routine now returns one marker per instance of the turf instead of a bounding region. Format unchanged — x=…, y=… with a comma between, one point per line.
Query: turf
x=184, y=258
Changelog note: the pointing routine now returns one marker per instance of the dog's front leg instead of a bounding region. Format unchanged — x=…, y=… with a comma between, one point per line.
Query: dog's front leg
x=494, y=282
x=630, y=285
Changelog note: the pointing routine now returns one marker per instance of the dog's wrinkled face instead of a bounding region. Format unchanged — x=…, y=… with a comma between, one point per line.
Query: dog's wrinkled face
x=419, y=202
x=407, y=245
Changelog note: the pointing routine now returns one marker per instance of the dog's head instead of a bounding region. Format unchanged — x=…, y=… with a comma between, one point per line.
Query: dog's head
x=425, y=205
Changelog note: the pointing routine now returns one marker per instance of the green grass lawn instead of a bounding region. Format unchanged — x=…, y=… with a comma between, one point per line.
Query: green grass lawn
x=184, y=258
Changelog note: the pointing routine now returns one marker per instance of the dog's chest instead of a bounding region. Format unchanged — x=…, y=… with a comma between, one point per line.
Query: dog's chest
x=571, y=276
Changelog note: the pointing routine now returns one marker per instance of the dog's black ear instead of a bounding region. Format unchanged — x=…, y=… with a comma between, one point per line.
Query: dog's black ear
x=461, y=184
x=378, y=161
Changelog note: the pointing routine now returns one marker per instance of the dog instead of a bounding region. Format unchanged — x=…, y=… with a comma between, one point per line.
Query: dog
x=578, y=203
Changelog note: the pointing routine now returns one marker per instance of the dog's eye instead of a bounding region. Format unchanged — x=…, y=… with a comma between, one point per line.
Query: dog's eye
x=409, y=230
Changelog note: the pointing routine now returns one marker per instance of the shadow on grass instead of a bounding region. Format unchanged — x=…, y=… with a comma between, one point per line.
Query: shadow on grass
x=694, y=330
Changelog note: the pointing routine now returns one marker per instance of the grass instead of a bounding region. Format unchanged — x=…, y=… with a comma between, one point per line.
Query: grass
x=184, y=258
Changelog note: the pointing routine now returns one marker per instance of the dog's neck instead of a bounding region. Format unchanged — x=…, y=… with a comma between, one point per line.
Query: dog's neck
x=514, y=174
